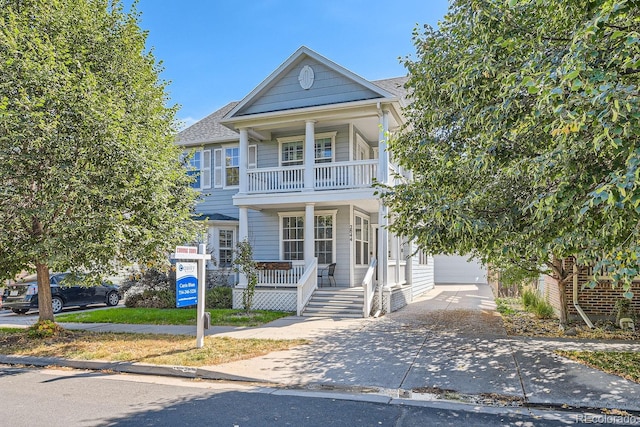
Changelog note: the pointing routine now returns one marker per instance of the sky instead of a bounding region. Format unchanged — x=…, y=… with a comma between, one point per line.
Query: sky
x=217, y=51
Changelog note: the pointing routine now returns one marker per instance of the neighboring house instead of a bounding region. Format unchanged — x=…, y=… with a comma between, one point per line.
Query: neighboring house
x=290, y=168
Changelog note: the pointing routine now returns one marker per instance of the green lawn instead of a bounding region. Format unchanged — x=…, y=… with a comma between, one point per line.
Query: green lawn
x=159, y=316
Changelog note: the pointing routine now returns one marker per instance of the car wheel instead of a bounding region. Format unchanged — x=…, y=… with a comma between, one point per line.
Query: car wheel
x=57, y=304
x=113, y=299
x=19, y=310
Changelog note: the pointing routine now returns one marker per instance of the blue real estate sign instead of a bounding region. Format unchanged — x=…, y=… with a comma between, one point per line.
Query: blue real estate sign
x=186, y=284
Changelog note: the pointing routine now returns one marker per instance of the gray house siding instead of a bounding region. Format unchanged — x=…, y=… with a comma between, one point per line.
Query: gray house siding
x=329, y=87
x=422, y=275
x=264, y=235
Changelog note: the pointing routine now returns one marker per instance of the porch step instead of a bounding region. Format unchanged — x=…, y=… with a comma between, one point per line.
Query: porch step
x=337, y=302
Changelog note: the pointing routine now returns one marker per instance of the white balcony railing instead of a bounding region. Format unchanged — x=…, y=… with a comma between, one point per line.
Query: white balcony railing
x=328, y=176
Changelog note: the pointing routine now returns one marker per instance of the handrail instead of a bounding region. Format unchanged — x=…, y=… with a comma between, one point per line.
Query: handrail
x=369, y=288
x=307, y=285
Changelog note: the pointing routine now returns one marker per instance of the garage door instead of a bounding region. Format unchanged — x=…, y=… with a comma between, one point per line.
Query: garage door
x=456, y=269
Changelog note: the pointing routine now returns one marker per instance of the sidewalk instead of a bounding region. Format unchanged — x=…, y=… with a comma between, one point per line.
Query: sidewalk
x=450, y=340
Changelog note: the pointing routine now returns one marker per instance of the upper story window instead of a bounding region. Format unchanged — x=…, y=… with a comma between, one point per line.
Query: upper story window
x=200, y=169
x=226, y=165
x=232, y=166
x=292, y=149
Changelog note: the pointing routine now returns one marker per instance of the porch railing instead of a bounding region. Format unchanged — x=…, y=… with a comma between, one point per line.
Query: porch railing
x=284, y=278
x=307, y=285
x=369, y=288
x=339, y=175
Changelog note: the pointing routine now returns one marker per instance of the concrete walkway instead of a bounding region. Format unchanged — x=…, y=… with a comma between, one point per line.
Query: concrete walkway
x=449, y=342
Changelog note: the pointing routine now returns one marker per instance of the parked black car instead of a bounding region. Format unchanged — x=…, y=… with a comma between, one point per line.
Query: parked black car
x=22, y=297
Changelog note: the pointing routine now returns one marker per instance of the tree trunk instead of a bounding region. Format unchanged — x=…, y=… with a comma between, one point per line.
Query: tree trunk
x=562, y=288
x=44, y=292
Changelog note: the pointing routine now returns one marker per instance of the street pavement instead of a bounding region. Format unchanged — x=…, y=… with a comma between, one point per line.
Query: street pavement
x=447, y=345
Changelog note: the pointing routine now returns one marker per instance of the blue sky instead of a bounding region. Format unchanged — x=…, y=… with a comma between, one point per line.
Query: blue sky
x=216, y=51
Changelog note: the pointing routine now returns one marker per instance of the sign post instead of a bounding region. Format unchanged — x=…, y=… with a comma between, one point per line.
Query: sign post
x=190, y=283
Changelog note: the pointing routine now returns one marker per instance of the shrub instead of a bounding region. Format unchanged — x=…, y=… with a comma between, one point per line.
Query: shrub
x=537, y=305
x=219, y=297
x=44, y=329
x=529, y=298
x=151, y=288
x=542, y=309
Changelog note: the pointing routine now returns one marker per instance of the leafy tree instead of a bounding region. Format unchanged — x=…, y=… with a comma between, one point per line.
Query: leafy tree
x=89, y=175
x=523, y=136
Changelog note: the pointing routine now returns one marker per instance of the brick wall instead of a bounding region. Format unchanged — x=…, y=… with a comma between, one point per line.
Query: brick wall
x=598, y=302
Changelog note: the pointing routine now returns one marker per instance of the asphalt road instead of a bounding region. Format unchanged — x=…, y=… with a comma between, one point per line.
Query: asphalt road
x=53, y=397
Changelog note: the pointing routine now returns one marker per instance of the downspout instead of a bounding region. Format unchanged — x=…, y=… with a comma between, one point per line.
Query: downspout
x=575, y=298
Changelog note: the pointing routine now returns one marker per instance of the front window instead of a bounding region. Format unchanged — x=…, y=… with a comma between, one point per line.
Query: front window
x=225, y=248
x=232, y=166
x=293, y=237
x=362, y=240
x=324, y=238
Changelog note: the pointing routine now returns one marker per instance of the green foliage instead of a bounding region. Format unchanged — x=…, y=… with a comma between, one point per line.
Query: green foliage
x=529, y=298
x=44, y=329
x=90, y=177
x=219, y=297
x=523, y=135
x=244, y=264
x=504, y=307
x=537, y=305
x=151, y=288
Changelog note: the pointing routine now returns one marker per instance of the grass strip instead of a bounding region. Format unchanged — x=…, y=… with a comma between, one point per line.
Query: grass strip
x=171, y=316
x=175, y=350
x=625, y=364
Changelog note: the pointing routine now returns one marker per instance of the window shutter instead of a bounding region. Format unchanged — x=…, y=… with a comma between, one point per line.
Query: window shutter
x=217, y=168
x=206, y=169
x=253, y=157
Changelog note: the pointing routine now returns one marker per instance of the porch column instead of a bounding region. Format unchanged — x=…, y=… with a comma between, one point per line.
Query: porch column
x=383, y=247
x=398, y=254
x=309, y=155
x=383, y=177
x=309, y=234
x=243, y=153
x=243, y=234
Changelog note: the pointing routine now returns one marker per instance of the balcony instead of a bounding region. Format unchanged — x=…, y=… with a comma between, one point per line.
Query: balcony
x=328, y=176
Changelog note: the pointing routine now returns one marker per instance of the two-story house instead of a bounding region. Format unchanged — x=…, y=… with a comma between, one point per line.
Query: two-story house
x=290, y=168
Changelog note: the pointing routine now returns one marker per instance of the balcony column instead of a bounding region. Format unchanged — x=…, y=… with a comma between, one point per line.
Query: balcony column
x=243, y=154
x=309, y=155
x=309, y=234
x=243, y=234
x=383, y=155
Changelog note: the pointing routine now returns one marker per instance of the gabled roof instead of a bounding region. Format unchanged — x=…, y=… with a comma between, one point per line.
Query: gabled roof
x=375, y=91
x=208, y=129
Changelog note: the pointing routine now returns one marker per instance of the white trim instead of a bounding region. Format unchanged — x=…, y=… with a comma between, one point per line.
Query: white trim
x=224, y=166
x=205, y=170
x=252, y=158
x=217, y=168
x=363, y=218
